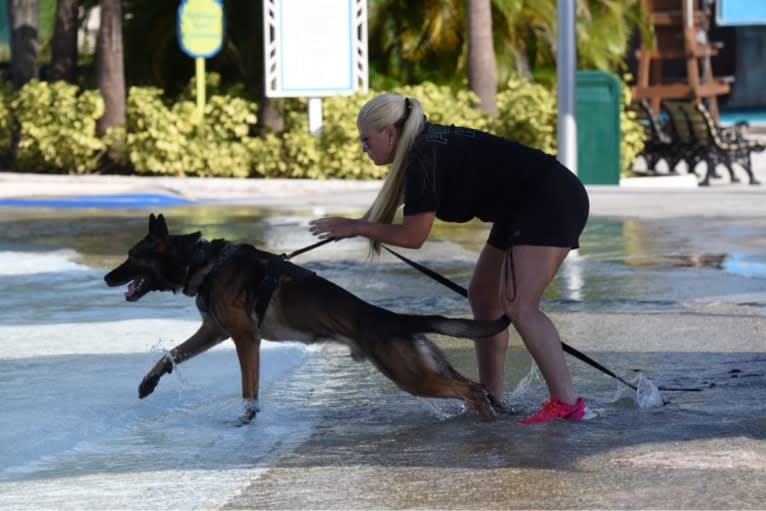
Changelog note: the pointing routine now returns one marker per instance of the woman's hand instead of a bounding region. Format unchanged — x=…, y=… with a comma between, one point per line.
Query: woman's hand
x=336, y=227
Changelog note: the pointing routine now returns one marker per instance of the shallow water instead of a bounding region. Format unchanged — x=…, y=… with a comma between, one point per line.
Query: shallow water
x=675, y=304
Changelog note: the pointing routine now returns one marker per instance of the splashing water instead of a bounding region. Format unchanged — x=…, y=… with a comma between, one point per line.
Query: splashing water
x=646, y=395
x=533, y=380
x=446, y=409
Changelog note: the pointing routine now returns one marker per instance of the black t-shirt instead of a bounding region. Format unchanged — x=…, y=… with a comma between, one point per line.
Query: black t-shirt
x=462, y=173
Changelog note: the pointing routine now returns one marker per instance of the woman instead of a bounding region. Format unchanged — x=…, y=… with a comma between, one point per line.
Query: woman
x=538, y=209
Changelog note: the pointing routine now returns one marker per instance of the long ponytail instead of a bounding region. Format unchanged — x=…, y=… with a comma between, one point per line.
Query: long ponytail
x=406, y=114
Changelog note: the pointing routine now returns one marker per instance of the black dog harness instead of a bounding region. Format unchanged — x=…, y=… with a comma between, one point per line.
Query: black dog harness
x=201, y=257
x=278, y=266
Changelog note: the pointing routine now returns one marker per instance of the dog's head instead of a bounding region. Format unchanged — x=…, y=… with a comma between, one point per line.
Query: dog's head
x=159, y=262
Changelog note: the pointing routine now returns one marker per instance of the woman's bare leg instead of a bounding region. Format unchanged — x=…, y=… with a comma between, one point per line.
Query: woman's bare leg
x=485, y=293
x=491, y=293
x=534, y=269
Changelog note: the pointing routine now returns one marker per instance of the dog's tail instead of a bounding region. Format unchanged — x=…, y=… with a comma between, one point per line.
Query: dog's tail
x=469, y=328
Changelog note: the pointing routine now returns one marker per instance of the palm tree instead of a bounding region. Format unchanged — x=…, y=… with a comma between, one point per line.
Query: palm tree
x=415, y=41
x=24, y=19
x=482, y=73
x=64, y=42
x=110, y=70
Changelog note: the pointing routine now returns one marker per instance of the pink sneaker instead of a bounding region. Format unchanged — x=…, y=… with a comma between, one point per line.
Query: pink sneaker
x=557, y=409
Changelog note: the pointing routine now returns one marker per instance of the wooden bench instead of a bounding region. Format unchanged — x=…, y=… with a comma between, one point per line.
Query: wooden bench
x=661, y=143
x=726, y=146
x=692, y=151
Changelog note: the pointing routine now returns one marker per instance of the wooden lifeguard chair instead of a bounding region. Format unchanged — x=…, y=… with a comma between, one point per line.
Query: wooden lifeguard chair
x=680, y=29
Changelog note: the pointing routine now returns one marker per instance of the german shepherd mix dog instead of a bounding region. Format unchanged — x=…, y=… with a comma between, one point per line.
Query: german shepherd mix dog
x=248, y=294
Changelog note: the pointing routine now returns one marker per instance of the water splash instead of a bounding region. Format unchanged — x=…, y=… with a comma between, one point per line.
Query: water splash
x=167, y=354
x=533, y=380
x=645, y=395
x=648, y=395
x=445, y=409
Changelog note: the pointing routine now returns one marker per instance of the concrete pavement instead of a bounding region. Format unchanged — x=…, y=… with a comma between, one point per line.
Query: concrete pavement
x=643, y=197
x=704, y=451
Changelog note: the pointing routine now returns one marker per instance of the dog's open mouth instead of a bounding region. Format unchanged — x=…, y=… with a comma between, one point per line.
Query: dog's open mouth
x=136, y=289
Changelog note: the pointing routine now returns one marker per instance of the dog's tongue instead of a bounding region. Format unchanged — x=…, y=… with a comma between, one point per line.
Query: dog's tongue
x=132, y=288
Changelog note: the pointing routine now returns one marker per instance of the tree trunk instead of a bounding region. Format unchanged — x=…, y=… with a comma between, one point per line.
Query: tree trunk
x=24, y=20
x=482, y=72
x=64, y=42
x=110, y=68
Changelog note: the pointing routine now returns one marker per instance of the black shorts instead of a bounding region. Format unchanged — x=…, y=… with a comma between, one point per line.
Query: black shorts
x=554, y=216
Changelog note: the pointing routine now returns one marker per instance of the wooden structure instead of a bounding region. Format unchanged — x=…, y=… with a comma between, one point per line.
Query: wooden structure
x=680, y=29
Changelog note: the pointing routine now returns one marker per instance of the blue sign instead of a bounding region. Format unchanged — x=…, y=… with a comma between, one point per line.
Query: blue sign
x=740, y=12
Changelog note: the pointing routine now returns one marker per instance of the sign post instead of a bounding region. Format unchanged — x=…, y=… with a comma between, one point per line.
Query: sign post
x=200, y=35
x=315, y=48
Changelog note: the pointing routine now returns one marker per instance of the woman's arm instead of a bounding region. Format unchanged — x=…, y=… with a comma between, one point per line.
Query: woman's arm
x=411, y=233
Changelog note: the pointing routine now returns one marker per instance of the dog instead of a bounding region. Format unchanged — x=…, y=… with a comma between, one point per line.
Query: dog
x=248, y=294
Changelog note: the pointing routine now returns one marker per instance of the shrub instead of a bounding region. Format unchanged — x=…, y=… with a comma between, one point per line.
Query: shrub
x=6, y=118
x=633, y=133
x=57, y=128
x=173, y=141
x=527, y=114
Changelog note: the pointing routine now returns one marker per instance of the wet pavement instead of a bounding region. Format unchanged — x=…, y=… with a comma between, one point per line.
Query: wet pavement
x=669, y=284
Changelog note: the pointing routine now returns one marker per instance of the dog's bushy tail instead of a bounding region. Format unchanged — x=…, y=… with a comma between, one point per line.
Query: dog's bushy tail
x=469, y=328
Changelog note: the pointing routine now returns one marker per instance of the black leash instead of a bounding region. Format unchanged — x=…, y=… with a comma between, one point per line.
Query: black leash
x=306, y=249
x=464, y=292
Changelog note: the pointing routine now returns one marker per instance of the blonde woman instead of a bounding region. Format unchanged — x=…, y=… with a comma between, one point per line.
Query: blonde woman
x=537, y=206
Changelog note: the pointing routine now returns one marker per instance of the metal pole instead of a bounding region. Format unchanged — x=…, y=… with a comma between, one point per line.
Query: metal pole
x=315, y=115
x=200, y=77
x=566, y=65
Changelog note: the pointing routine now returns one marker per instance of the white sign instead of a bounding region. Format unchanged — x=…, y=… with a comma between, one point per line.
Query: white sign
x=315, y=47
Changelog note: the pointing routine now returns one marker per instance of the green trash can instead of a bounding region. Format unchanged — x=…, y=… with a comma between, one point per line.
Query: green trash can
x=598, y=103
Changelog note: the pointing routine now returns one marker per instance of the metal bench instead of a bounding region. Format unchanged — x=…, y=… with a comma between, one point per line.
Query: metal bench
x=661, y=143
x=727, y=146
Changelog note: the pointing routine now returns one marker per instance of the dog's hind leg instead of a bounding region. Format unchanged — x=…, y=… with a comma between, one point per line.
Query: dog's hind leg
x=248, y=345
x=203, y=339
x=474, y=394
x=419, y=367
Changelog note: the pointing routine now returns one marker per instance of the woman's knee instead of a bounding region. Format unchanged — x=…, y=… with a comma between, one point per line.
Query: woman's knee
x=520, y=311
x=484, y=305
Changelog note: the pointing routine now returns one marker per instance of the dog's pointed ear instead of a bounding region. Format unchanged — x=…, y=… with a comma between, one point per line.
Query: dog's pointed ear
x=157, y=226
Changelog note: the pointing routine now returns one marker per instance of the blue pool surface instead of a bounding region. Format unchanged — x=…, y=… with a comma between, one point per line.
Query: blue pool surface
x=753, y=117
x=128, y=200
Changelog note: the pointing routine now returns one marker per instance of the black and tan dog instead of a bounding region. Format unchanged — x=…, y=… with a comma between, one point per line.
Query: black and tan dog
x=248, y=294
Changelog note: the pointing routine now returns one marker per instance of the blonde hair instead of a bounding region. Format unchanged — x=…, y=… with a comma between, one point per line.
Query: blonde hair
x=406, y=114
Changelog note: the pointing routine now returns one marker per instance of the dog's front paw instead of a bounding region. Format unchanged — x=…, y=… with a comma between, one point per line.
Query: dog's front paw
x=249, y=411
x=147, y=385
x=150, y=381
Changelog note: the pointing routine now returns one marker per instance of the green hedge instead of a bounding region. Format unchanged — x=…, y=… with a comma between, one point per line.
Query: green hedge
x=57, y=130
x=6, y=118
